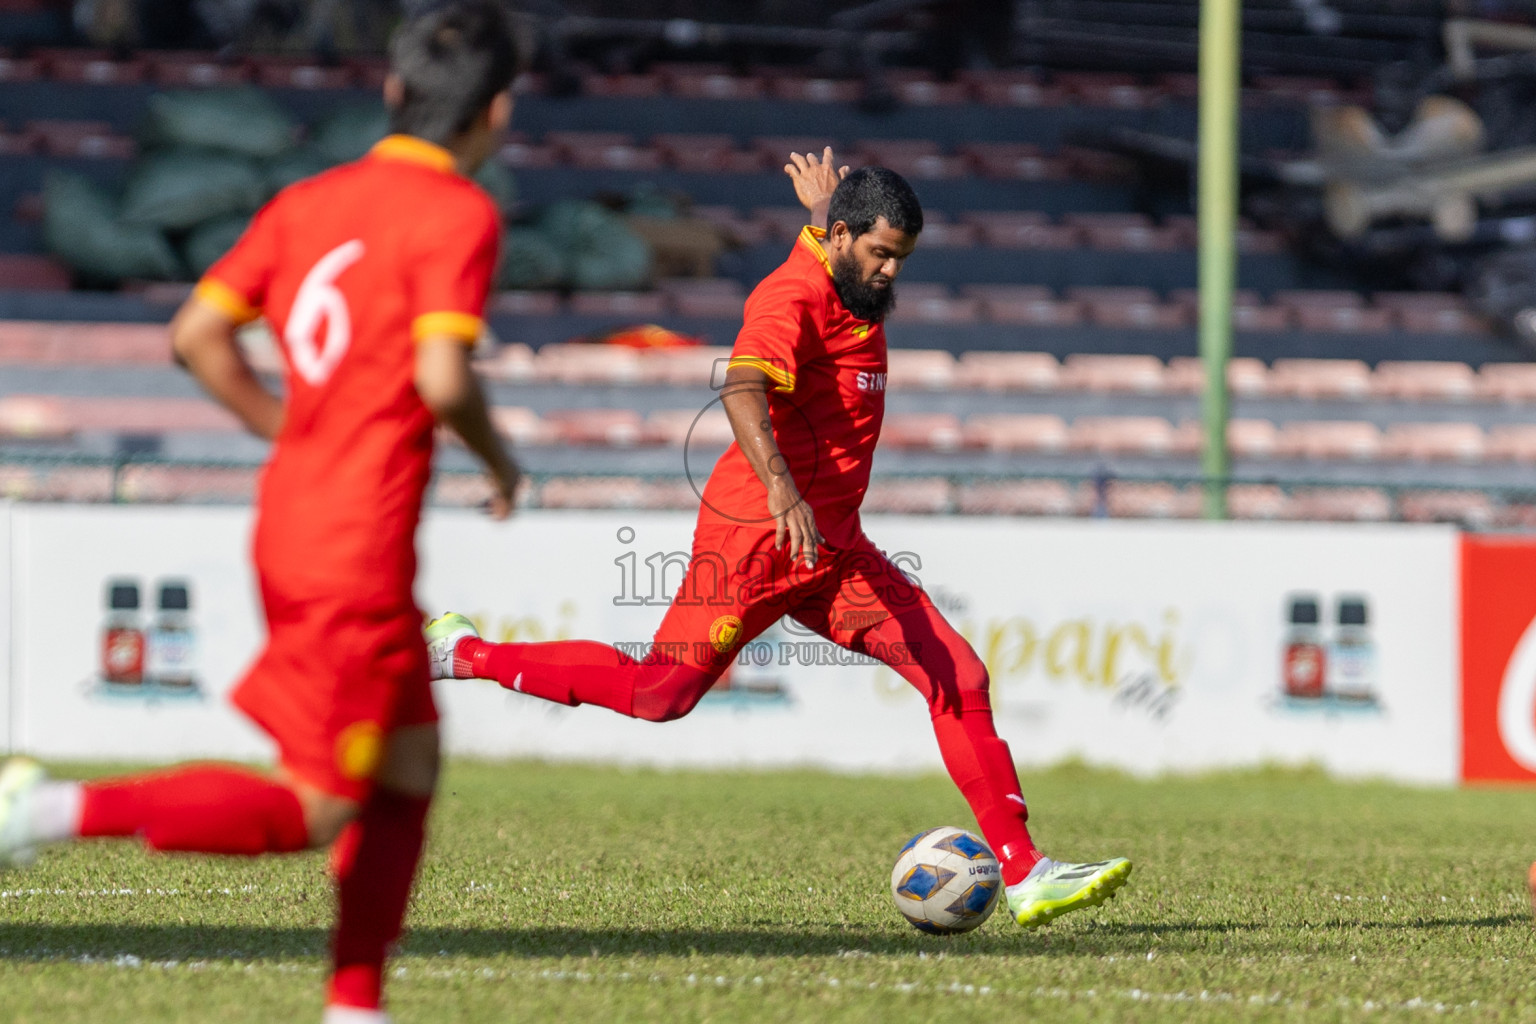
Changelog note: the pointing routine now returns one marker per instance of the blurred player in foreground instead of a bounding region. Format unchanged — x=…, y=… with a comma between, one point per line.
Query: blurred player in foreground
x=375, y=276
x=779, y=532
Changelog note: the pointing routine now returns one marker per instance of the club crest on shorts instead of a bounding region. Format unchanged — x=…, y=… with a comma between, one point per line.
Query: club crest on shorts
x=359, y=749
x=724, y=632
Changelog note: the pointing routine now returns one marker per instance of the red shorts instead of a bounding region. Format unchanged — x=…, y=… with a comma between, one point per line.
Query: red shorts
x=738, y=584
x=336, y=678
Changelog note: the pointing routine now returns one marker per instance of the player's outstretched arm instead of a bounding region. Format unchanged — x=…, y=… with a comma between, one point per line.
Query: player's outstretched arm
x=203, y=341
x=815, y=181
x=448, y=387
x=745, y=397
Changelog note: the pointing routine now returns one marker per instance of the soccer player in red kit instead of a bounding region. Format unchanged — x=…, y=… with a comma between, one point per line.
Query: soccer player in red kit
x=375, y=276
x=779, y=532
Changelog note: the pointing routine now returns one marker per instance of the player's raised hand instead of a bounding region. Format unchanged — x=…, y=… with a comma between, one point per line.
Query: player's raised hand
x=505, y=481
x=815, y=179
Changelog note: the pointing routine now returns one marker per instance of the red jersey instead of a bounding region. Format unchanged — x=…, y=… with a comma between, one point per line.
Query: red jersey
x=829, y=370
x=349, y=267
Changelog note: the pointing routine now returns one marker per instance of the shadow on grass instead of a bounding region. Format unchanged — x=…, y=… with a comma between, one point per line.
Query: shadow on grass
x=41, y=943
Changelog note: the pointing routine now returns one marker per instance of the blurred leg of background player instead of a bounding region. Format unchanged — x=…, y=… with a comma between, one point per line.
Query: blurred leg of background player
x=224, y=809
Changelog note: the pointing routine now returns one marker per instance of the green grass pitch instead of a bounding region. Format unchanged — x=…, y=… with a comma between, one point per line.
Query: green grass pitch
x=564, y=893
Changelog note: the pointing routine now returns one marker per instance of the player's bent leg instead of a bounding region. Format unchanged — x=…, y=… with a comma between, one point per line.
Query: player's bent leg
x=375, y=865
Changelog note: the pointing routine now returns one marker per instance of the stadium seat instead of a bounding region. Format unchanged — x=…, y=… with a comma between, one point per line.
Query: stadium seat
x=1113, y=89
x=708, y=154
x=460, y=490
x=1334, y=311
x=513, y=364
x=1134, y=500
x=276, y=72
x=686, y=366
x=1249, y=313
x=703, y=428
x=942, y=234
x=148, y=415
x=1008, y=371
x=614, y=428
x=721, y=298
x=635, y=305
x=918, y=368
x=1507, y=382
x=1023, y=498
x=92, y=67
x=1113, y=374
x=523, y=426
x=928, y=431
x=1015, y=89
x=925, y=92
x=178, y=69
x=1431, y=312
x=1252, y=439
x=1468, y=508
x=1425, y=381
x=93, y=139
x=592, y=492
x=1257, y=501
x=1121, y=435
x=14, y=68
x=1320, y=378
x=1014, y=161
x=57, y=483
x=526, y=303
x=196, y=484
x=710, y=82
x=783, y=223
x=1511, y=442
x=24, y=341
x=1341, y=504
x=32, y=274
x=795, y=89
x=520, y=154
x=586, y=364
x=927, y=302
x=671, y=494
x=629, y=87
x=1017, y=432
x=33, y=417
x=1246, y=377
x=1025, y=304
x=909, y=495
x=1434, y=442
x=1021, y=229
x=1329, y=439
x=1128, y=307
x=918, y=159
x=615, y=151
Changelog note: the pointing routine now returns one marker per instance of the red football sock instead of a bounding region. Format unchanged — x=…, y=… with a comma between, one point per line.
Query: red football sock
x=568, y=672
x=197, y=809
x=375, y=862
x=982, y=767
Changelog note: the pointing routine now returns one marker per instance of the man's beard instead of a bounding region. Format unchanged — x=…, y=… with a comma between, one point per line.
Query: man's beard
x=861, y=298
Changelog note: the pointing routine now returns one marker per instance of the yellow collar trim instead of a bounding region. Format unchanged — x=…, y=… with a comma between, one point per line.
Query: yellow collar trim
x=811, y=237
x=413, y=150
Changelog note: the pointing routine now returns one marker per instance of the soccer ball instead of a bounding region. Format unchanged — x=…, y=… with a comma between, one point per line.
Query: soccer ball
x=946, y=881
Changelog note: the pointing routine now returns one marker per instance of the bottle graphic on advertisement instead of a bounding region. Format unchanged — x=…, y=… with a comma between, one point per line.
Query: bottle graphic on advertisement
x=122, y=638
x=1304, y=662
x=1352, y=653
x=171, y=641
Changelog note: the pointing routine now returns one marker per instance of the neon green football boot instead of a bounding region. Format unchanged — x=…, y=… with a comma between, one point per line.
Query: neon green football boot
x=1053, y=889
x=443, y=636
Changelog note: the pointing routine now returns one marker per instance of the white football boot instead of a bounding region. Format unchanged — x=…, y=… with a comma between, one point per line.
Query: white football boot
x=443, y=636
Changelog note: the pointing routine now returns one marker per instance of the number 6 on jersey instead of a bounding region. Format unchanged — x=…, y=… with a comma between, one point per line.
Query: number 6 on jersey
x=319, y=300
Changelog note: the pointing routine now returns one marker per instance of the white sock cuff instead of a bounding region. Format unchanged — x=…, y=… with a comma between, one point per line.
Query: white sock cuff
x=353, y=1015
x=55, y=811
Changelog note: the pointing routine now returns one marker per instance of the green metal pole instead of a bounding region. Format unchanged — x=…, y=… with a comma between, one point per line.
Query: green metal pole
x=1220, y=45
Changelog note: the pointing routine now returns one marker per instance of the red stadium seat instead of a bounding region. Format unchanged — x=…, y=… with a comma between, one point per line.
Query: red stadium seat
x=1121, y=435
x=795, y=89
x=1512, y=442
x=929, y=303
x=1246, y=377
x=1434, y=442
x=179, y=68
x=634, y=305
x=1027, y=304
x=1425, y=381
x=1337, y=439
x=1017, y=432
x=93, y=67
x=592, y=492
x=1257, y=501
x=300, y=73
x=1432, y=312
x=1133, y=500
x=1114, y=374
x=708, y=154
x=707, y=428
x=1468, y=508
x=634, y=87
x=1024, y=498
x=1320, y=378
x=523, y=303
x=1343, y=319
x=1129, y=307
x=707, y=83
x=1319, y=298
x=1507, y=382
x=615, y=151
x=937, y=234
x=1015, y=161
x=1340, y=504
x=721, y=298
x=688, y=366
x=928, y=93
x=34, y=417
x=95, y=139
x=776, y=148
x=928, y=431
x=1106, y=89
x=512, y=363
x=1015, y=89
x=1008, y=371
x=614, y=428
x=916, y=368
x=1252, y=439
x=20, y=69
x=909, y=495
x=587, y=364
x=783, y=223
x=518, y=153
x=1249, y=313
x=148, y=415
x=32, y=274
x=736, y=229
x=523, y=426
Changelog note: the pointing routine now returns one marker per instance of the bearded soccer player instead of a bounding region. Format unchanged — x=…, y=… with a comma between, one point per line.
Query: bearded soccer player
x=375, y=276
x=779, y=533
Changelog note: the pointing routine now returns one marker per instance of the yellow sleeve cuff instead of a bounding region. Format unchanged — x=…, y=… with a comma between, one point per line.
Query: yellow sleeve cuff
x=463, y=326
x=781, y=377
x=226, y=300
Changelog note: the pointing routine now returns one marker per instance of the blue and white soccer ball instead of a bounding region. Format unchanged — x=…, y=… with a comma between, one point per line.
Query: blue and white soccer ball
x=946, y=881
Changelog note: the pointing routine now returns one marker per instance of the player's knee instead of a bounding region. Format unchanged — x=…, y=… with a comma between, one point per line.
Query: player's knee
x=969, y=689
x=672, y=698
x=411, y=761
x=325, y=815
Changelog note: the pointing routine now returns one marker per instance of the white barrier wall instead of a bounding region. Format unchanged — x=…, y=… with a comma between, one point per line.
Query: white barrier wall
x=1147, y=646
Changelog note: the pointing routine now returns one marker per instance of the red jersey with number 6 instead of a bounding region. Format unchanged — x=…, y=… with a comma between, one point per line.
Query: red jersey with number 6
x=349, y=268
